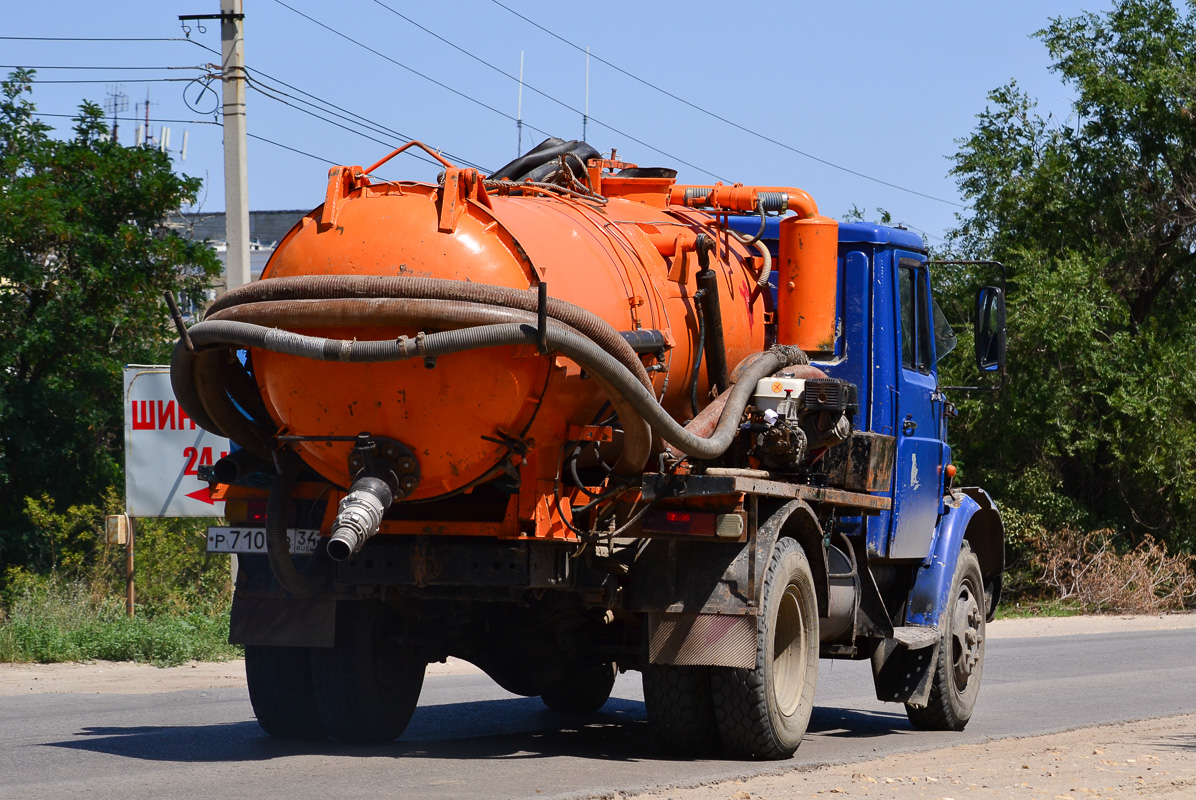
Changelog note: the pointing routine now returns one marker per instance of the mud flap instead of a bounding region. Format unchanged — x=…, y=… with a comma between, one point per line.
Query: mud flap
x=903, y=666
x=717, y=640
x=282, y=622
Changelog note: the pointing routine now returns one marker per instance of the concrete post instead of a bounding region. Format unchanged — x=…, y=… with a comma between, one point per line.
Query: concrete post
x=236, y=177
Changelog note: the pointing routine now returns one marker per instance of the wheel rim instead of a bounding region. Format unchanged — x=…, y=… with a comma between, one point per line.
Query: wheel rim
x=967, y=635
x=789, y=653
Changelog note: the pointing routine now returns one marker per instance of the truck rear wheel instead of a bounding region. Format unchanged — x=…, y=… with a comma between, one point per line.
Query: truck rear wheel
x=367, y=686
x=680, y=709
x=956, y=681
x=584, y=691
x=281, y=691
x=763, y=712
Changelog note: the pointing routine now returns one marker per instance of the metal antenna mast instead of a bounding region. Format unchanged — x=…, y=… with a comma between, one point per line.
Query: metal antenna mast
x=519, y=112
x=585, y=118
x=116, y=102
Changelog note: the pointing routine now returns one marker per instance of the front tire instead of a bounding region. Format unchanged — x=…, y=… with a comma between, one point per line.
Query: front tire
x=763, y=712
x=367, y=686
x=960, y=664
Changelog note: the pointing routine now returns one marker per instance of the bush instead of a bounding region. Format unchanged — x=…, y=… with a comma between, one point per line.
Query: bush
x=1087, y=569
x=52, y=619
x=75, y=609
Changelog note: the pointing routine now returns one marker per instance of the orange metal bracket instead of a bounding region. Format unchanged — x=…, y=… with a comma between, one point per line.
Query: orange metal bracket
x=342, y=181
x=460, y=186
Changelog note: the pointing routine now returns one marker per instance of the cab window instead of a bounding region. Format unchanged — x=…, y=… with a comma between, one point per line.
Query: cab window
x=916, y=335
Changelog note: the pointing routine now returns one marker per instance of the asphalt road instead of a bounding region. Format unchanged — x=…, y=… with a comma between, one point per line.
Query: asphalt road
x=471, y=739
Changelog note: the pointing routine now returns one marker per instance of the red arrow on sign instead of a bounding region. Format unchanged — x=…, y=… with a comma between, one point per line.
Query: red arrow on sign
x=204, y=495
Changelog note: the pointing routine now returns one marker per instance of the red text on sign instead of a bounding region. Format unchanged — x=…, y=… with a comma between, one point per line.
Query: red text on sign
x=160, y=415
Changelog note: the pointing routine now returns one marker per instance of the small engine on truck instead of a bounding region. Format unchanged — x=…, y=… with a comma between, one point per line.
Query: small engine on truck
x=574, y=418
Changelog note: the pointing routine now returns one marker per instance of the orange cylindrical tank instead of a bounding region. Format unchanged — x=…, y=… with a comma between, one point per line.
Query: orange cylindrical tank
x=457, y=416
x=807, y=281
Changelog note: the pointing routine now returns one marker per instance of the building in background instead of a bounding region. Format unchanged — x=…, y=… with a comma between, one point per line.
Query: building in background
x=266, y=229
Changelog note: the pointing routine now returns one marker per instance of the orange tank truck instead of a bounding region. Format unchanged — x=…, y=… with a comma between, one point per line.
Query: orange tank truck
x=561, y=421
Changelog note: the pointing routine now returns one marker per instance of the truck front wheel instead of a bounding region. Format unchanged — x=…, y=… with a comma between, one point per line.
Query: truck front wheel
x=367, y=686
x=956, y=681
x=763, y=712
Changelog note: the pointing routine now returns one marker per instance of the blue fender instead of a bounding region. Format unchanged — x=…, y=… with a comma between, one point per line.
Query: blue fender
x=968, y=514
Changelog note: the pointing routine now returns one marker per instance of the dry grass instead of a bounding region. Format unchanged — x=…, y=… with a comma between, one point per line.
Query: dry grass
x=1086, y=568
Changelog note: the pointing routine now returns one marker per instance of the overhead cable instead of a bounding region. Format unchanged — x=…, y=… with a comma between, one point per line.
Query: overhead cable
x=723, y=119
x=540, y=92
x=401, y=65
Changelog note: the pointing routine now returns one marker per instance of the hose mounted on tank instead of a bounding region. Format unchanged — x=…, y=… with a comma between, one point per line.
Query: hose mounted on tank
x=384, y=472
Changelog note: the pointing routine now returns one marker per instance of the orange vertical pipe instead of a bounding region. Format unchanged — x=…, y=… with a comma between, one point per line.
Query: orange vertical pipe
x=807, y=282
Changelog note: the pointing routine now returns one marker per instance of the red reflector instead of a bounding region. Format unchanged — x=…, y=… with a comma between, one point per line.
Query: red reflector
x=257, y=511
x=676, y=516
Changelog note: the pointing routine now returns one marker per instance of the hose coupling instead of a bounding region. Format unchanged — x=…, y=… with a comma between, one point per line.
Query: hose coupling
x=359, y=516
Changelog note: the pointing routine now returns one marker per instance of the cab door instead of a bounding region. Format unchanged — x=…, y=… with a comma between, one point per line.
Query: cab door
x=917, y=479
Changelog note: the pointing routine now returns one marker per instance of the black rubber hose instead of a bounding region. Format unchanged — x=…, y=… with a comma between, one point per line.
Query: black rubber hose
x=278, y=545
x=182, y=382
x=716, y=356
x=581, y=349
x=693, y=385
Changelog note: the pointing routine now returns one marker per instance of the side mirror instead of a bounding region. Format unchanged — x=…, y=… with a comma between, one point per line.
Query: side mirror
x=990, y=329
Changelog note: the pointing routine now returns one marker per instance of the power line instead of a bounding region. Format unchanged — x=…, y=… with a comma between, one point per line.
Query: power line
x=723, y=119
x=135, y=119
x=122, y=80
x=202, y=122
x=108, y=39
x=310, y=113
x=401, y=65
x=292, y=149
x=148, y=69
x=544, y=94
x=319, y=113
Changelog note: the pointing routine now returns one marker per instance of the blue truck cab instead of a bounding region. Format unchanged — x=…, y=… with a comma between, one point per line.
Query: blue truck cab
x=891, y=336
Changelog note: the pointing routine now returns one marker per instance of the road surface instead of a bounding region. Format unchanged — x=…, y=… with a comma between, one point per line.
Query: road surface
x=471, y=739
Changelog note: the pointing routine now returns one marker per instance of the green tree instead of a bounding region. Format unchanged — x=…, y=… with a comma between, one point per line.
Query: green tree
x=1096, y=216
x=84, y=262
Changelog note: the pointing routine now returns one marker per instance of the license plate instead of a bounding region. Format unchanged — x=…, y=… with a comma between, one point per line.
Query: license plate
x=253, y=540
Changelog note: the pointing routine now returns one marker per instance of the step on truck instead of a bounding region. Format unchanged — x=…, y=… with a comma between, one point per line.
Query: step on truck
x=574, y=418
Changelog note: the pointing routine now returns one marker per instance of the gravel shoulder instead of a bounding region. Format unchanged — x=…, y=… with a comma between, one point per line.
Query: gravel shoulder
x=1147, y=759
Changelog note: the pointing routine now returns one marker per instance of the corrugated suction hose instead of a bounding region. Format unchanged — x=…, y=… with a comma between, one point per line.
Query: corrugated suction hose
x=580, y=348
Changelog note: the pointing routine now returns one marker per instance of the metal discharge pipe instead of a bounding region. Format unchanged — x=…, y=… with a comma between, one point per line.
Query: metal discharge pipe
x=359, y=516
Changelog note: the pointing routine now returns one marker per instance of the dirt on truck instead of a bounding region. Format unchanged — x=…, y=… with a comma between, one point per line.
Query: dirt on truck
x=574, y=417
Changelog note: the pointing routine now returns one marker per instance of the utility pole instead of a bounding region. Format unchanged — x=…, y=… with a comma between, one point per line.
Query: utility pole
x=236, y=177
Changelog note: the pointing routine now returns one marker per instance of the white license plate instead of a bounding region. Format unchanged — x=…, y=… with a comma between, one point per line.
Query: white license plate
x=253, y=540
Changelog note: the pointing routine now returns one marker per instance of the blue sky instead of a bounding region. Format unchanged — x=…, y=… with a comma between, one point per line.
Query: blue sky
x=881, y=89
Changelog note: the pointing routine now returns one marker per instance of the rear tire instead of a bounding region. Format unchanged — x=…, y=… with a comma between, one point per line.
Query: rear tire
x=583, y=692
x=282, y=693
x=960, y=664
x=763, y=712
x=681, y=709
x=367, y=686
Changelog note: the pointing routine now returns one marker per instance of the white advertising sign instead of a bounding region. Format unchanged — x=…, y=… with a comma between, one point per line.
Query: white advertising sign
x=164, y=449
